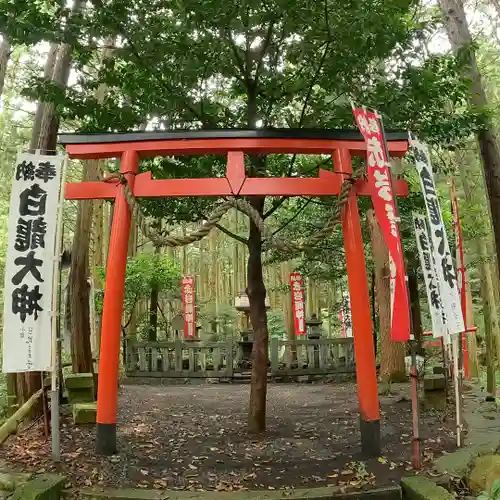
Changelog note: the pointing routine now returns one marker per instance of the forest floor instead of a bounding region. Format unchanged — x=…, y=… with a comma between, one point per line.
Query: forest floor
x=194, y=437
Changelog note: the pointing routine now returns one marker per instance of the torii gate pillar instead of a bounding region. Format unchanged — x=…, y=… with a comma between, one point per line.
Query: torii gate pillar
x=109, y=359
x=364, y=348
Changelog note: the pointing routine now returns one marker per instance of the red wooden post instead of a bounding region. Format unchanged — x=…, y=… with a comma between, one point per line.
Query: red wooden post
x=461, y=277
x=364, y=348
x=109, y=361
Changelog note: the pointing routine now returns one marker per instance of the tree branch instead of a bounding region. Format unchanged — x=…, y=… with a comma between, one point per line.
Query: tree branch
x=161, y=312
x=311, y=85
x=301, y=120
x=239, y=60
x=293, y=217
x=282, y=200
x=136, y=298
x=135, y=52
x=231, y=234
x=267, y=41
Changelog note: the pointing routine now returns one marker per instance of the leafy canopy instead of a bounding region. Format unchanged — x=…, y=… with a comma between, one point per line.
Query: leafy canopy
x=145, y=272
x=277, y=63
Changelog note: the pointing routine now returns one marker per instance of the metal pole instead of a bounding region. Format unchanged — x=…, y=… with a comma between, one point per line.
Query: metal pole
x=416, y=452
x=54, y=391
x=455, y=339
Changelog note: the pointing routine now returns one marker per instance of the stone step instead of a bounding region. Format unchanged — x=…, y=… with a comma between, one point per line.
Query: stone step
x=84, y=413
x=387, y=493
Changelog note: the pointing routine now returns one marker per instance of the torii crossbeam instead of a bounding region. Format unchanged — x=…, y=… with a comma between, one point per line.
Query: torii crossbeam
x=130, y=147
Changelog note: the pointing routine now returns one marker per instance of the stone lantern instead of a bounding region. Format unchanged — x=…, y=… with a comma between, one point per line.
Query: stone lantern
x=314, y=332
x=313, y=325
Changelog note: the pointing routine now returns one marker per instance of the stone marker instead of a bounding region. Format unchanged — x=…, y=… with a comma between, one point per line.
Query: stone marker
x=80, y=387
x=42, y=487
x=434, y=383
x=84, y=413
x=423, y=488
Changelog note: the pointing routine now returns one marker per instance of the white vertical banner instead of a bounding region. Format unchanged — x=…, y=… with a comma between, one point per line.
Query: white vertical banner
x=446, y=275
x=29, y=264
x=428, y=267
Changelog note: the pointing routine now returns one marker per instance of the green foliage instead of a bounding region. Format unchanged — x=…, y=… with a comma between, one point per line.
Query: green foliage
x=494, y=494
x=276, y=324
x=144, y=272
x=218, y=318
x=199, y=64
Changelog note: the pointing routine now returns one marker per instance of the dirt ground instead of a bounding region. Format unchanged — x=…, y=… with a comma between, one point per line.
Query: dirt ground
x=194, y=437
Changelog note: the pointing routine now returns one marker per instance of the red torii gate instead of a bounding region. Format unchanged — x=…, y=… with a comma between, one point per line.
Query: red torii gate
x=131, y=146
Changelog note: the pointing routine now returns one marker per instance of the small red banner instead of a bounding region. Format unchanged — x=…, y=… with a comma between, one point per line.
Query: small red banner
x=188, y=307
x=385, y=209
x=298, y=304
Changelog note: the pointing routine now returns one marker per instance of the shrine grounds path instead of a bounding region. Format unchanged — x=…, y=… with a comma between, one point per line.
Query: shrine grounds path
x=194, y=437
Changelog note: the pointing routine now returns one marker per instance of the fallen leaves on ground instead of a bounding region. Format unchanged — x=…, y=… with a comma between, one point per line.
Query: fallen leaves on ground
x=194, y=438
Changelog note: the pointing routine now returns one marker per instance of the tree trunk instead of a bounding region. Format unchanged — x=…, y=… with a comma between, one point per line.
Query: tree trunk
x=4, y=59
x=256, y=291
x=11, y=393
x=461, y=42
x=79, y=289
x=487, y=293
x=471, y=337
x=374, y=312
x=286, y=300
x=131, y=329
x=392, y=363
x=487, y=281
x=153, y=309
x=97, y=259
x=47, y=75
x=81, y=351
x=214, y=277
x=493, y=269
x=235, y=254
x=488, y=334
x=50, y=121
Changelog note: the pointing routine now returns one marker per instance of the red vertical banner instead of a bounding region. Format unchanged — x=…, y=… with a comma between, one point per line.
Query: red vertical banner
x=188, y=306
x=461, y=279
x=385, y=209
x=298, y=304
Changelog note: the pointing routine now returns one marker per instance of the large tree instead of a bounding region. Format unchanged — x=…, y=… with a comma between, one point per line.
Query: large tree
x=461, y=41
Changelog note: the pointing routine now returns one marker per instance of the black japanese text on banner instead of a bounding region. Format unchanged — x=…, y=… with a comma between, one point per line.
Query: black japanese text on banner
x=29, y=264
x=447, y=280
x=428, y=267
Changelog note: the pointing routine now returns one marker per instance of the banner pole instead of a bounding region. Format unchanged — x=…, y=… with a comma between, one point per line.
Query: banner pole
x=54, y=390
x=461, y=278
x=455, y=342
x=416, y=451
